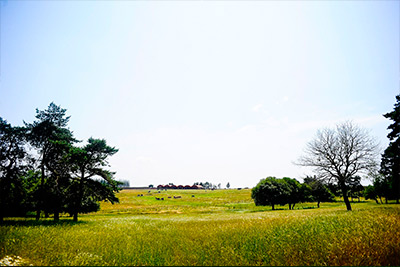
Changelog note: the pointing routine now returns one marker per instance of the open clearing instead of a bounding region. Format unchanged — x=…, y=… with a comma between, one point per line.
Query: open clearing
x=221, y=227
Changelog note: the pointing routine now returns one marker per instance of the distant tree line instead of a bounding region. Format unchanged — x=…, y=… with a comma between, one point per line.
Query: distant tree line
x=124, y=183
x=43, y=171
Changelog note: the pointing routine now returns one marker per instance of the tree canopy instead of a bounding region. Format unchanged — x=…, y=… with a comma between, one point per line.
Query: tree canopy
x=57, y=176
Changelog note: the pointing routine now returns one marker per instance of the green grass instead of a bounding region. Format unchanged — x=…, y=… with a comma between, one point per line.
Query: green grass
x=221, y=227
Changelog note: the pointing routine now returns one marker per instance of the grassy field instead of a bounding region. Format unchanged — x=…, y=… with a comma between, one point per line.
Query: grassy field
x=221, y=227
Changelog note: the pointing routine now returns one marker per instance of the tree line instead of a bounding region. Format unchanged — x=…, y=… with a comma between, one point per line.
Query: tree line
x=273, y=191
x=339, y=156
x=43, y=171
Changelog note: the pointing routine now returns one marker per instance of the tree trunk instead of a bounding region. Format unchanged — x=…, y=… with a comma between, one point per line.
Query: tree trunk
x=46, y=214
x=347, y=202
x=293, y=206
x=380, y=198
x=290, y=206
x=56, y=216
x=273, y=207
x=345, y=197
x=318, y=204
x=376, y=201
x=75, y=219
x=37, y=215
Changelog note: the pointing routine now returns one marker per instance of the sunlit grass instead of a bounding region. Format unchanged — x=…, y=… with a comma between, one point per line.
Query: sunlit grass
x=221, y=227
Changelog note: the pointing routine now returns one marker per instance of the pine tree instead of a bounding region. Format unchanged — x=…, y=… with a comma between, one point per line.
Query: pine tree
x=390, y=164
x=51, y=137
x=90, y=181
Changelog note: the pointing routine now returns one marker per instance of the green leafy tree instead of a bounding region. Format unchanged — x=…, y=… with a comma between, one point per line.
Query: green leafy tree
x=270, y=191
x=370, y=193
x=339, y=154
x=390, y=163
x=91, y=182
x=12, y=167
x=296, y=193
x=356, y=190
x=319, y=191
x=382, y=186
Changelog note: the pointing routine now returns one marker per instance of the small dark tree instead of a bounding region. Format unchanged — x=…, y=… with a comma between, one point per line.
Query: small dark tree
x=370, y=193
x=341, y=153
x=382, y=186
x=390, y=164
x=319, y=191
x=356, y=190
x=228, y=185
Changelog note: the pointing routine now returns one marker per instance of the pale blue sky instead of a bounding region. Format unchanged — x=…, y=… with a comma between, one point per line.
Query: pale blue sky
x=225, y=91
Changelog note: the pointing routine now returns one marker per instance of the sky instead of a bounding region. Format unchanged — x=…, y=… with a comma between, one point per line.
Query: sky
x=195, y=91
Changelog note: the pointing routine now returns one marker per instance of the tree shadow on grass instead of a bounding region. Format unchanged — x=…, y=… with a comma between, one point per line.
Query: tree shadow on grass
x=30, y=223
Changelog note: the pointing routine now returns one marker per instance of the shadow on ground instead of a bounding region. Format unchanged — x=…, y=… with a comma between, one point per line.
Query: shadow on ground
x=33, y=222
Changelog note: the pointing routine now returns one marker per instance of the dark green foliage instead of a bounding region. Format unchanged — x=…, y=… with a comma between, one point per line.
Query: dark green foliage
x=58, y=177
x=51, y=137
x=271, y=191
x=12, y=166
x=382, y=186
x=334, y=188
x=319, y=191
x=370, y=193
x=86, y=164
x=295, y=191
x=390, y=164
x=355, y=188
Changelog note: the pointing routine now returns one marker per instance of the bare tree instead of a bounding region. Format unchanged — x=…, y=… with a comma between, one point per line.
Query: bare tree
x=339, y=154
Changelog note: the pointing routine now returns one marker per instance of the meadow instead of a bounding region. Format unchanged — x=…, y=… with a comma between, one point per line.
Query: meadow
x=207, y=228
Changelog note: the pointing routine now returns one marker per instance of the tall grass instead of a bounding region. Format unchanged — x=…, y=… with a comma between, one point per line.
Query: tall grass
x=213, y=228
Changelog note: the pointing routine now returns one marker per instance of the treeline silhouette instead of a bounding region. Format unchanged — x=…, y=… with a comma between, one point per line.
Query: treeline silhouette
x=43, y=171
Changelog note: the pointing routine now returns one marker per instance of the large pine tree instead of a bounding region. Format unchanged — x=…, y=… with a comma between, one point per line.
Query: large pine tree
x=390, y=164
x=51, y=137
